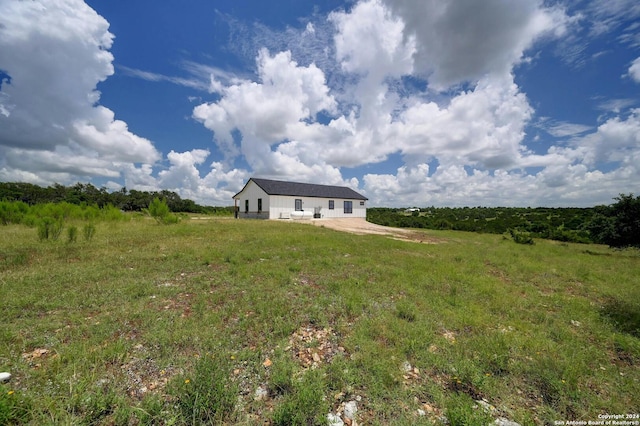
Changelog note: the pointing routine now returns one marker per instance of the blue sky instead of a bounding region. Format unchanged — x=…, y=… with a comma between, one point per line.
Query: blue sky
x=410, y=102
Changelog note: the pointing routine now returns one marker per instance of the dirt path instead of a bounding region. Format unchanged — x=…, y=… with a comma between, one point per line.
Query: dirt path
x=362, y=227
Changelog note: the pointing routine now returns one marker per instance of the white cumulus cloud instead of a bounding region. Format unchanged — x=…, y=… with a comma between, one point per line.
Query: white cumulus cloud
x=428, y=86
x=55, y=52
x=634, y=70
x=460, y=41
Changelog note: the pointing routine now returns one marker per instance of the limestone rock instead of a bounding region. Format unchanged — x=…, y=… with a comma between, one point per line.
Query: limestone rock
x=501, y=421
x=334, y=420
x=260, y=393
x=350, y=410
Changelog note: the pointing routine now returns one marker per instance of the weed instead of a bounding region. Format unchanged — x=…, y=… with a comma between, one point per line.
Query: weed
x=15, y=408
x=539, y=331
x=624, y=315
x=151, y=411
x=406, y=311
x=93, y=405
x=461, y=410
x=306, y=404
x=207, y=395
x=14, y=258
x=281, y=376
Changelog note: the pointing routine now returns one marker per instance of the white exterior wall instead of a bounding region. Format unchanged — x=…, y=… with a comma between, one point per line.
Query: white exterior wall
x=252, y=192
x=281, y=206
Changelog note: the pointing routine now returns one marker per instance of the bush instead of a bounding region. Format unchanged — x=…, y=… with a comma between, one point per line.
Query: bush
x=111, y=213
x=88, y=231
x=12, y=212
x=619, y=224
x=159, y=210
x=520, y=237
x=72, y=234
x=442, y=224
x=49, y=228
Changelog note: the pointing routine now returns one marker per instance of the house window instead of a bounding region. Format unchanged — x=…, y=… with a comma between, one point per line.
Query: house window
x=298, y=204
x=362, y=203
x=259, y=205
x=348, y=207
x=331, y=205
x=246, y=206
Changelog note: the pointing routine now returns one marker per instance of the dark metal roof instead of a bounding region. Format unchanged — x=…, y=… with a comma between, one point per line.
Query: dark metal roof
x=278, y=187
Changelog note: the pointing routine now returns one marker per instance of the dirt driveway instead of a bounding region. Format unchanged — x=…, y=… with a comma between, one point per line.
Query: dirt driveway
x=361, y=227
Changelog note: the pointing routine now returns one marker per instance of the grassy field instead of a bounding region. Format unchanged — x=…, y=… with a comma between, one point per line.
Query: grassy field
x=253, y=322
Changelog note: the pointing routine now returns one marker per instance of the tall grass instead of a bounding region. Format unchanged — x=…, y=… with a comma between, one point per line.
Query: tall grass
x=17, y=212
x=173, y=325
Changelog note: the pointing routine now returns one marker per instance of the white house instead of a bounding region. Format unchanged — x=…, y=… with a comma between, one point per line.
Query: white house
x=275, y=199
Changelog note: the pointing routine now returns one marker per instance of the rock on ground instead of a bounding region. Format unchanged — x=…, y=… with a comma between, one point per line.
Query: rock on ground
x=350, y=410
x=501, y=421
x=334, y=420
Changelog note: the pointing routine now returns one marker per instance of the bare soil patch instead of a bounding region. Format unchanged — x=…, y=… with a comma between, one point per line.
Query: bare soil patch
x=360, y=226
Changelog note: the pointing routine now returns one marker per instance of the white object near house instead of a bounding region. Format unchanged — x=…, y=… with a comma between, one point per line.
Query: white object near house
x=275, y=199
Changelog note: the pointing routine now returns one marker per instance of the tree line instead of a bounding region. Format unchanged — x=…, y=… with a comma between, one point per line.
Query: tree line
x=125, y=200
x=617, y=225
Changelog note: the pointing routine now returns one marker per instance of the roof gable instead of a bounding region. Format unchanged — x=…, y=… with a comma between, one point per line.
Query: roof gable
x=278, y=187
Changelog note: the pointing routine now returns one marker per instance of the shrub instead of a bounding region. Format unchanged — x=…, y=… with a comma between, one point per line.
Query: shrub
x=520, y=237
x=72, y=234
x=49, y=228
x=442, y=224
x=159, y=210
x=617, y=225
x=170, y=219
x=88, y=231
x=111, y=213
x=12, y=212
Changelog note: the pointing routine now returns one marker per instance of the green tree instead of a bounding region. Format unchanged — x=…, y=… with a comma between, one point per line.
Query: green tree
x=617, y=225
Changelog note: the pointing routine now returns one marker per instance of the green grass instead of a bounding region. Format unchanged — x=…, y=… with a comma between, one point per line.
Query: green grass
x=152, y=324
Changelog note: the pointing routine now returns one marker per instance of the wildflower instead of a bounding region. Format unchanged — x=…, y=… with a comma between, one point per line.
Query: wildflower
x=187, y=381
x=10, y=392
